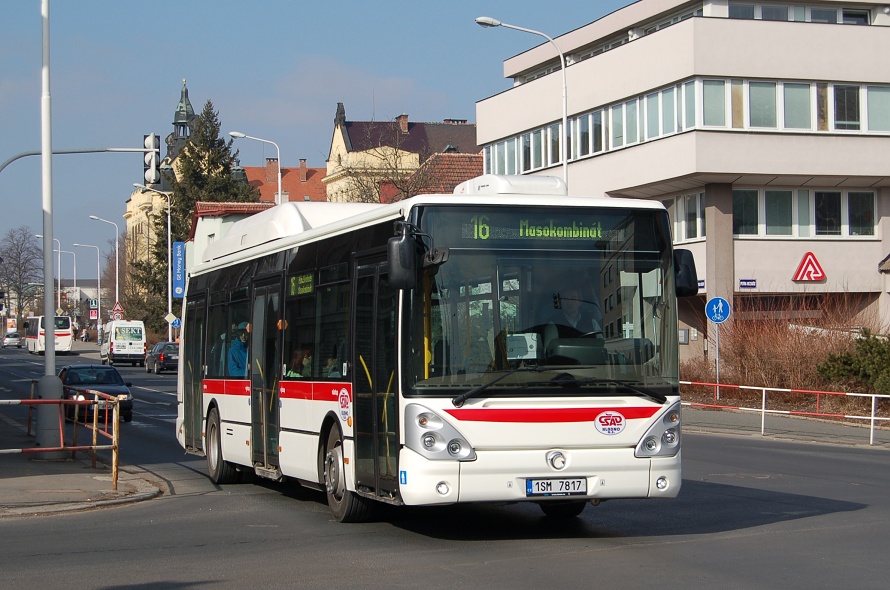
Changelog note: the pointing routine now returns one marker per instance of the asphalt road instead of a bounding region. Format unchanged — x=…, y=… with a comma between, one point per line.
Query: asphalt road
x=753, y=513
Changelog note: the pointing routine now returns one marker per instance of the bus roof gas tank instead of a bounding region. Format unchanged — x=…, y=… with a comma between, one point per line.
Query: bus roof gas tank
x=502, y=184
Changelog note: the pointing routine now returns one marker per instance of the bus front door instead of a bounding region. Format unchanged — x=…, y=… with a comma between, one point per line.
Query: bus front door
x=265, y=359
x=192, y=367
x=375, y=383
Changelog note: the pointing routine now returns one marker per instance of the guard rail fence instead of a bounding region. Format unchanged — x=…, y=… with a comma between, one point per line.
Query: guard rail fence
x=830, y=405
x=89, y=404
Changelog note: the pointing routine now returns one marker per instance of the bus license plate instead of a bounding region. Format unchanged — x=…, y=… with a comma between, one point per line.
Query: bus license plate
x=556, y=487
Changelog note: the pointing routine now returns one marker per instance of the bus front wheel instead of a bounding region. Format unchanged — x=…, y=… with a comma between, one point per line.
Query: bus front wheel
x=220, y=470
x=346, y=506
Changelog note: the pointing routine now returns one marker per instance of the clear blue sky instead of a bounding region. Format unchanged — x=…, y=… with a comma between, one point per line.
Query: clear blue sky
x=274, y=69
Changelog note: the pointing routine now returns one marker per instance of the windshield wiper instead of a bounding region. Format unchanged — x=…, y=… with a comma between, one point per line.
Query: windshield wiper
x=566, y=379
x=460, y=399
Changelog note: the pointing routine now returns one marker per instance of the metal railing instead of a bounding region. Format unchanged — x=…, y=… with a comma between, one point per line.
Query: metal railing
x=809, y=403
x=94, y=401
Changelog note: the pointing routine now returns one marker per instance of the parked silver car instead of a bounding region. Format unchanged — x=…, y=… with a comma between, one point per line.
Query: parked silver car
x=12, y=339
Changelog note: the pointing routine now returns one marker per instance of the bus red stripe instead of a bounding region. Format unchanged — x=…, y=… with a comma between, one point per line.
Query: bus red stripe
x=547, y=415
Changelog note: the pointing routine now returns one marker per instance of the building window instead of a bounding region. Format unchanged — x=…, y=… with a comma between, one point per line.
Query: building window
x=878, y=98
x=617, y=126
x=823, y=15
x=537, y=149
x=584, y=135
x=526, y=161
x=653, y=122
x=803, y=213
x=846, y=107
x=740, y=10
x=828, y=213
x=554, y=143
x=633, y=122
x=861, y=217
x=770, y=12
x=692, y=210
x=762, y=104
x=689, y=99
x=714, y=102
x=797, y=112
x=597, y=132
x=668, y=110
x=744, y=212
x=856, y=17
x=778, y=212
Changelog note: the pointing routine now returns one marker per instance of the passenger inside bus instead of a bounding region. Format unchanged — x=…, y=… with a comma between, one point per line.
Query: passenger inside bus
x=238, y=352
x=301, y=363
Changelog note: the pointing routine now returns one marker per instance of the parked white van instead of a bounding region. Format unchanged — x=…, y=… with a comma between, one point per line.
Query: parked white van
x=123, y=341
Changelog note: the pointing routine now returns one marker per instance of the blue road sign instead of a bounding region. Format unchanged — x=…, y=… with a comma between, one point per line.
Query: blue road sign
x=717, y=309
x=176, y=323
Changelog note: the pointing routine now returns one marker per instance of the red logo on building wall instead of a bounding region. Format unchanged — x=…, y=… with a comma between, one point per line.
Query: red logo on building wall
x=809, y=269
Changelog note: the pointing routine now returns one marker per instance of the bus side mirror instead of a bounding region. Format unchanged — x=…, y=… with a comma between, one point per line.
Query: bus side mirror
x=685, y=277
x=401, y=261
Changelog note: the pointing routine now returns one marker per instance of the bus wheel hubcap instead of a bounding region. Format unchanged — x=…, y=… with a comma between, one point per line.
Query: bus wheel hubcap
x=333, y=474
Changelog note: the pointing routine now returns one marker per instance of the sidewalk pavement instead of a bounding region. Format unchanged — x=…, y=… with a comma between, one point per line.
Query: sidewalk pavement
x=32, y=485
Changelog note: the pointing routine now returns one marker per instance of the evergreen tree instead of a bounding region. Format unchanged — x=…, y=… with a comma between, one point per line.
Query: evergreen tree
x=204, y=173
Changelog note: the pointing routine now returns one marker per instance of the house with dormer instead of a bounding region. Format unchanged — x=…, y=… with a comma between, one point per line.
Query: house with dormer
x=369, y=160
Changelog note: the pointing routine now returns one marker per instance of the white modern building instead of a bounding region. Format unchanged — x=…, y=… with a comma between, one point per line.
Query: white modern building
x=764, y=127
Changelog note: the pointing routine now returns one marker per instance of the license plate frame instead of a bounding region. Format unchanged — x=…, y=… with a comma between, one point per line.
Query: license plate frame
x=561, y=486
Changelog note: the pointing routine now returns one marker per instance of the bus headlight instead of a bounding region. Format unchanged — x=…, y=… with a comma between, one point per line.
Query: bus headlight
x=663, y=438
x=427, y=434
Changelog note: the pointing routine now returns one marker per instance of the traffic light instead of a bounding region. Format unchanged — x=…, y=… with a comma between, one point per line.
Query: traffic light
x=152, y=158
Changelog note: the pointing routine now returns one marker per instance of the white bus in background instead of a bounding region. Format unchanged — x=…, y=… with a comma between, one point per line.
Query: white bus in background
x=35, y=334
x=418, y=353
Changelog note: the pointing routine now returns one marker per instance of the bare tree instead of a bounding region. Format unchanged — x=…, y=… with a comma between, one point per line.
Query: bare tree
x=22, y=266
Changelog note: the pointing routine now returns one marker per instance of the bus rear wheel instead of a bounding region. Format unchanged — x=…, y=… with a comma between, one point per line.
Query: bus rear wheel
x=220, y=470
x=346, y=506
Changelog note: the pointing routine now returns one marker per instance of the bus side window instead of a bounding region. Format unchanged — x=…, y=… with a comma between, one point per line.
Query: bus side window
x=332, y=314
x=217, y=347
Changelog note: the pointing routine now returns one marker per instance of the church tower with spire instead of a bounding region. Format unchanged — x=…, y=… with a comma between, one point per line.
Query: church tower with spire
x=183, y=124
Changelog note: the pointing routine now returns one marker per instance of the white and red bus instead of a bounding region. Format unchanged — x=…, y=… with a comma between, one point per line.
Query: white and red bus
x=503, y=343
x=35, y=334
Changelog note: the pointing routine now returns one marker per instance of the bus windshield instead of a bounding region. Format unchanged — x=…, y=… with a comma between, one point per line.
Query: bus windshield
x=59, y=322
x=569, y=300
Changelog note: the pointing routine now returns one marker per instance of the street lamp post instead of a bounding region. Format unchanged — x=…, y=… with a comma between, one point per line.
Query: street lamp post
x=117, y=293
x=98, y=286
x=59, y=250
x=239, y=135
x=488, y=22
x=167, y=196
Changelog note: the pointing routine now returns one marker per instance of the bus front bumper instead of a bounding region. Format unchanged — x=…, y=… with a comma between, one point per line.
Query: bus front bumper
x=503, y=476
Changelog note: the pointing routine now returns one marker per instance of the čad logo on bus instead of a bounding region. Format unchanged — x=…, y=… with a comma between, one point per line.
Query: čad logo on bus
x=610, y=422
x=344, y=404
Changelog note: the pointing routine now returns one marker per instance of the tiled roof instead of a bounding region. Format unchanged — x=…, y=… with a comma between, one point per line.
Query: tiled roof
x=211, y=209
x=265, y=179
x=446, y=170
x=422, y=138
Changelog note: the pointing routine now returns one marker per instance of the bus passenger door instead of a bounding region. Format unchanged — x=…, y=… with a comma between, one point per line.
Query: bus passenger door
x=192, y=367
x=265, y=359
x=375, y=383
